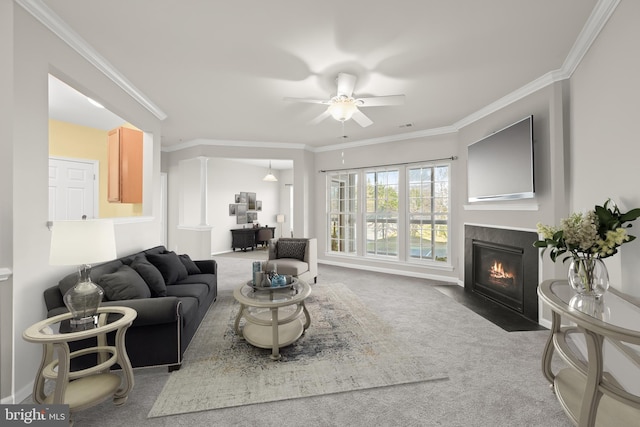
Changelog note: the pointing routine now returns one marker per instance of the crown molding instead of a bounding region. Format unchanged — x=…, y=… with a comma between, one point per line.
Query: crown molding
x=595, y=23
x=233, y=143
x=53, y=22
x=391, y=138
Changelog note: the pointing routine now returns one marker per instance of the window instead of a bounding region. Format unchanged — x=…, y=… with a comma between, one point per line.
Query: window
x=364, y=213
x=428, y=201
x=382, y=212
x=343, y=209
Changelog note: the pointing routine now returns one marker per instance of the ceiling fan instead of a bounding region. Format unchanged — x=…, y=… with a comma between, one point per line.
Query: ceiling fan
x=344, y=106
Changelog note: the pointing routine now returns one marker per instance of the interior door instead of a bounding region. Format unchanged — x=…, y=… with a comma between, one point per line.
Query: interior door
x=72, y=189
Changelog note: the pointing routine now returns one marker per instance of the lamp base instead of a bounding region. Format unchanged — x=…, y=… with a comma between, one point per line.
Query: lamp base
x=84, y=323
x=83, y=299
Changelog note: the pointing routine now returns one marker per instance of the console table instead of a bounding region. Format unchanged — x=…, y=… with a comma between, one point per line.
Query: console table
x=87, y=387
x=243, y=238
x=608, y=327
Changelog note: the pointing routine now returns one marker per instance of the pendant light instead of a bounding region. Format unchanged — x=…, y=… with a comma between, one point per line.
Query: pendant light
x=270, y=177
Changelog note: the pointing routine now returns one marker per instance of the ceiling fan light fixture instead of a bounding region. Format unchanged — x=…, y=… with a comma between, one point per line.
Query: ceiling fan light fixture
x=342, y=109
x=270, y=177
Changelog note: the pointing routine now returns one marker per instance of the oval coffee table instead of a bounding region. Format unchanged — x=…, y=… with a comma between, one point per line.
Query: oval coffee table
x=273, y=315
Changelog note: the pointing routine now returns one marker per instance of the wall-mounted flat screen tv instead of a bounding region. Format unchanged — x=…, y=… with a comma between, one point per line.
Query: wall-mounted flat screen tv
x=500, y=166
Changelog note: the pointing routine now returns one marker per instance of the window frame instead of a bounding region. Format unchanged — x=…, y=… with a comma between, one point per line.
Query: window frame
x=433, y=213
x=360, y=222
x=330, y=179
x=365, y=213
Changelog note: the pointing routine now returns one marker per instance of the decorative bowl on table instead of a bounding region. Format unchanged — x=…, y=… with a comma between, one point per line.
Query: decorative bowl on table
x=278, y=282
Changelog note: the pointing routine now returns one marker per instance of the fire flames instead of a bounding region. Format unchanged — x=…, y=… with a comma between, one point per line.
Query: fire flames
x=498, y=272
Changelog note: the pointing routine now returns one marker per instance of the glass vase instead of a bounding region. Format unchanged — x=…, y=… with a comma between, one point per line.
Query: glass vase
x=588, y=276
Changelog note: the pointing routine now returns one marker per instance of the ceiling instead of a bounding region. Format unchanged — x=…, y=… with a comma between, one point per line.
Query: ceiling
x=220, y=70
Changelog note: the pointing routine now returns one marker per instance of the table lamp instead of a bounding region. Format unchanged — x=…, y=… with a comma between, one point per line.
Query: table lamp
x=82, y=243
x=280, y=220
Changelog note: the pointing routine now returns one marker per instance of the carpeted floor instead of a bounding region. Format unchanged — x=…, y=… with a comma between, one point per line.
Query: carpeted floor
x=347, y=347
x=495, y=376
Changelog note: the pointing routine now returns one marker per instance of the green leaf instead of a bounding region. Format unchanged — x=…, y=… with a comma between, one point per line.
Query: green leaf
x=632, y=215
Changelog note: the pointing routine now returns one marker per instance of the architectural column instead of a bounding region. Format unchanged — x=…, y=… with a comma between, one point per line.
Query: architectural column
x=203, y=190
x=193, y=234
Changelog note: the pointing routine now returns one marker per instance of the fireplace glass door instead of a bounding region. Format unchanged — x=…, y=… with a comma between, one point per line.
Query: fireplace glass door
x=499, y=273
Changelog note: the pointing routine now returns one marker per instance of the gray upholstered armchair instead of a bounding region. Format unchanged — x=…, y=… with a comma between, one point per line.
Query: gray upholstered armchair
x=295, y=256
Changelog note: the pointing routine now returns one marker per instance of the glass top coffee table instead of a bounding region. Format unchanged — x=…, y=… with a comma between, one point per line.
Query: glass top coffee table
x=273, y=316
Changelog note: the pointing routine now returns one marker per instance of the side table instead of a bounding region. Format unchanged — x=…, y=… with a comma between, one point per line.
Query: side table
x=87, y=387
x=607, y=326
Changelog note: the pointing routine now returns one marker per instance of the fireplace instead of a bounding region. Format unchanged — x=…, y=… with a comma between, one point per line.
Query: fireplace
x=502, y=265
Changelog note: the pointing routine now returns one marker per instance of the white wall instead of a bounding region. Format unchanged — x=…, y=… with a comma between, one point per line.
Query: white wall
x=6, y=194
x=549, y=205
x=548, y=107
x=284, y=184
x=228, y=178
x=605, y=141
x=35, y=53
x=586, y=147
x=408, y=151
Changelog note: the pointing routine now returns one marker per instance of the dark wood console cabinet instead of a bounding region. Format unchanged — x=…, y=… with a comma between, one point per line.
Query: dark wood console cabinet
x=247, y=238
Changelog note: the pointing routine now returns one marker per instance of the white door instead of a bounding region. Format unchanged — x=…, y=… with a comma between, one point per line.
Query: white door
x=72, y=189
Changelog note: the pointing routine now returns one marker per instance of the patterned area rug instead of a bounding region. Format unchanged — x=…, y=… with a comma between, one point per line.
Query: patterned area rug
x=347, y=347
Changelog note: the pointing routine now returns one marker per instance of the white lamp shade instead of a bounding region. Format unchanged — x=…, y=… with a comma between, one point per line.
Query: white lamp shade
x=82, y=242
x=280, y=218
x=270, y=176
x=342, y=110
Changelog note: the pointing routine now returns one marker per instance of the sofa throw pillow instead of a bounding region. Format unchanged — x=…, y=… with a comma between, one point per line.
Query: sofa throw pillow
x=151, y=276
x=291, y=250
x=125, y=283
x=191, y=266
x=170, y=266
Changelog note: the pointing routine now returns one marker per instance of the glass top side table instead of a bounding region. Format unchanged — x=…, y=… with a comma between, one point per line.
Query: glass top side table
x=608, y=326
x=87, y=387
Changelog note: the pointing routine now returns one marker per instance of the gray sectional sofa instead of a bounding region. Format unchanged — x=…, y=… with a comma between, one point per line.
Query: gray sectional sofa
x=171, y=294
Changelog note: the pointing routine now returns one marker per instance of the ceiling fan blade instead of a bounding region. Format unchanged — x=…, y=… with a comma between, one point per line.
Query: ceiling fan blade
x=308, y=100
x=320, y=118
x=346, y=83
x=378, y=101
x=361, y=119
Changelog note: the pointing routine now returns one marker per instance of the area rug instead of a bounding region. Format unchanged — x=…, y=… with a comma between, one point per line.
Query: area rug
x=347, y=347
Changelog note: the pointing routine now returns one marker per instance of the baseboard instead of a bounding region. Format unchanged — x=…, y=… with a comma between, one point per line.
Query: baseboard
x=436, y=277
x=19, y=396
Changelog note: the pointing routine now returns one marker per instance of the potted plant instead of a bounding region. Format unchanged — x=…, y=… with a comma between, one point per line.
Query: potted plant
x=585, y=239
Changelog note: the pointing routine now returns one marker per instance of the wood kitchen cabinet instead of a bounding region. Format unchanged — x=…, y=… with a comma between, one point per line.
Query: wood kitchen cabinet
x=125, y=166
